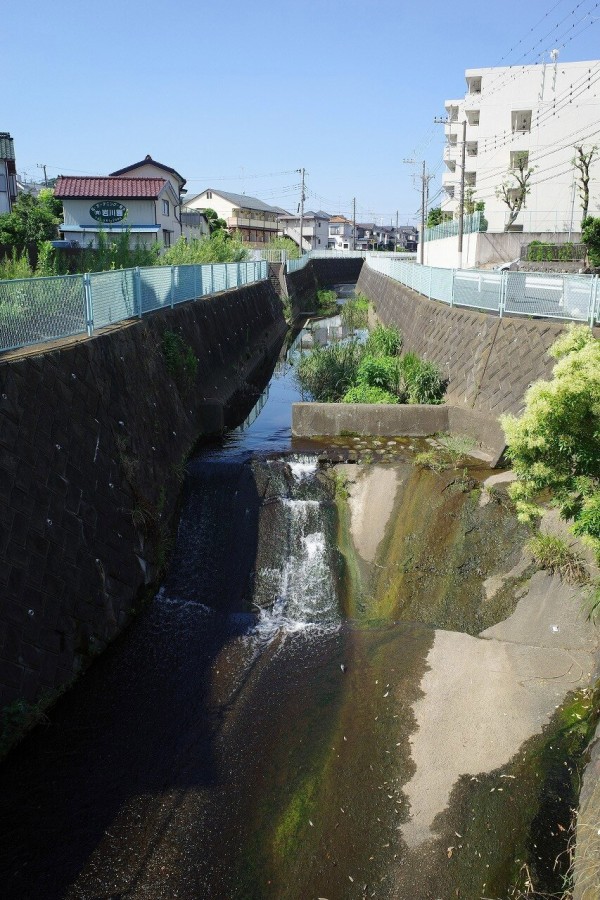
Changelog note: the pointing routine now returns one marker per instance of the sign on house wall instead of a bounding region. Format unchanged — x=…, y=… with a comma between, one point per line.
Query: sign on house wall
x=108, y=211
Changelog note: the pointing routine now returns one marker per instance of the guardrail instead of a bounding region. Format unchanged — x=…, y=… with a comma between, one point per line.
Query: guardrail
x=36, y=310
x=574, y=297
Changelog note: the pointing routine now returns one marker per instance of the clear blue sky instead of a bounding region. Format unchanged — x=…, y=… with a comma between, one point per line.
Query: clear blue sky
x=228, y=90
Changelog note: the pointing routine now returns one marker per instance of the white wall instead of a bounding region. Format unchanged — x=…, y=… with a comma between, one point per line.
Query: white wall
x=544, y=90
x=484, y=249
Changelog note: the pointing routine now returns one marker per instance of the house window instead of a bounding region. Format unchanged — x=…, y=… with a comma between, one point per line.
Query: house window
x=521, y=120
x=519, y=158
x=166, y=238
x=165, y=207
x=209, y=195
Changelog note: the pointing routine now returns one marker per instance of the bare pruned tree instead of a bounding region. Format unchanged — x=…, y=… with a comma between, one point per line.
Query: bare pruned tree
x=582, y=163
x=514, y=189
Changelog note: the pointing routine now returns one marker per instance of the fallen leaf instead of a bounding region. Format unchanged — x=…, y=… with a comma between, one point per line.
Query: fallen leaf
x=449, y=852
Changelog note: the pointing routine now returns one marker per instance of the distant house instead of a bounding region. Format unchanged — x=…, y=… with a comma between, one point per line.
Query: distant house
x=146, y=207
x=8, y=172
x=253, y=220
x=340, y=233
x=315, y=229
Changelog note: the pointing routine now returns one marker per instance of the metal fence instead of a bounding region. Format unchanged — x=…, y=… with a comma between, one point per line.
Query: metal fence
x=472, y=223
x=540, y=294
x=35, y=310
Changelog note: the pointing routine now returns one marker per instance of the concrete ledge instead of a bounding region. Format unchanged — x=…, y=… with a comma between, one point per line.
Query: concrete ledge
x=414, y=420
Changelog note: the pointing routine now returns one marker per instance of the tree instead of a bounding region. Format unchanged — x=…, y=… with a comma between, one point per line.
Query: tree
x=514, y=189
x=435, y=217
x=214, y=222
x=32, y=220
x=554, y=443
x=582, y=163
x=590, y=234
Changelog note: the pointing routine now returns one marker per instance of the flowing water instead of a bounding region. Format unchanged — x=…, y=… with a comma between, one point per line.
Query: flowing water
x=250, y=735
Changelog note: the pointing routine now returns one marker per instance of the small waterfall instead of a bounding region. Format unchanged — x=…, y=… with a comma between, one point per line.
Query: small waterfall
x=297, y=589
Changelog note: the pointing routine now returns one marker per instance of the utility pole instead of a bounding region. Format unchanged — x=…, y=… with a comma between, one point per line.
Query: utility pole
x=354, y=223
x=425, y=179
x=43, y=166
x=461, y=207
x=302, y=198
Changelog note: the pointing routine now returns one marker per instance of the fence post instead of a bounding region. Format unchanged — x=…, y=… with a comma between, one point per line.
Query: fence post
x=239, y=274
x=89, y=306
x=195, y=282
x=452, y=291
x=503, y=290
x=172, y=286
x=430, y=276
x=226, y=276
x=594, y=299
x=137, y=290
x=212, y=278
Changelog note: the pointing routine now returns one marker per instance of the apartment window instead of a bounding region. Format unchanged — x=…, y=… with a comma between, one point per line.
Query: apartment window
x=519, y=159
x=474, y=85
x=521, y=120
x=472, y=148
x=472, y=116
x=165, y=207
x=335, y=229
x=470, y=178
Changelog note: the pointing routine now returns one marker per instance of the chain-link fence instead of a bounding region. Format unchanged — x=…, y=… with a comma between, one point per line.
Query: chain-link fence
x=36, y=310
x=573, y=297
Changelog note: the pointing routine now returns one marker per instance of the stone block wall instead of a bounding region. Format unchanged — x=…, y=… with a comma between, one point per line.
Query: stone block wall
x=93, y=437
x=489, y=362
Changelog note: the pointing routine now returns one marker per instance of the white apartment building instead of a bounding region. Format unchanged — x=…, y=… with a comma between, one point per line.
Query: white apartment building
x=537, y=113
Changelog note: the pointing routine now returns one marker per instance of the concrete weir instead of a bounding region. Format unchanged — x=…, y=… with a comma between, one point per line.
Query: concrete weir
x=412, y=420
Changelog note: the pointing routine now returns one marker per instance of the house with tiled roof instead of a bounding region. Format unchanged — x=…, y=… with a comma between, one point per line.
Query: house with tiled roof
x=253, y=220
x=148, y=208
x=8, y=172
x=150, y=168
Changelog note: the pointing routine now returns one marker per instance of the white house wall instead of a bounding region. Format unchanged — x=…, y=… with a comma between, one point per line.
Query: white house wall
x=543, y=90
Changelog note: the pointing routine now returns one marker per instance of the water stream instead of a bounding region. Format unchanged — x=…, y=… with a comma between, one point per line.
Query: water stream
x=253, y=733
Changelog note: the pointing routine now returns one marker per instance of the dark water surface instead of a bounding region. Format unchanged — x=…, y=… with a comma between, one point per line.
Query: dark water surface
x=217, y=750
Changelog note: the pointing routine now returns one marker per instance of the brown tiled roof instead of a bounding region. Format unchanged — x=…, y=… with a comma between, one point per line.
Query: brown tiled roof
x=70, y=186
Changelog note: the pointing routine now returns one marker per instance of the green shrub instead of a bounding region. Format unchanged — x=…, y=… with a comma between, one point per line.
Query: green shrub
x=15, y=266
x=423, y=380
x=554, y=554
x=553, y=445
x=354, y=313
x=365, y=393
x=384, y=341
x=381, y=372
x=326, y=300
x=292, y=249
x=328, y=372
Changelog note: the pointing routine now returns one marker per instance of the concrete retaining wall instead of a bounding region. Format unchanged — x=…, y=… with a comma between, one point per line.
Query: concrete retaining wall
x=319, y=274
x=415, y=420
x=489, y=362
x=92, y=441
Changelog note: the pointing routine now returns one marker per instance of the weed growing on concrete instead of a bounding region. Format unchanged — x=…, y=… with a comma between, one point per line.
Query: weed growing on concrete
x=450, y=451
x=181, y=362
x=554, y=554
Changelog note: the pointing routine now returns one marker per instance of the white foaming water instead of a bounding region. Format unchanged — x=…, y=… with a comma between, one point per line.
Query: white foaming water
x=304, y=467
x=304, y=589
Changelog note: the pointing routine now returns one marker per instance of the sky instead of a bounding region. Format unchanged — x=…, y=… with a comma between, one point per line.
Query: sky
x=239, y=94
